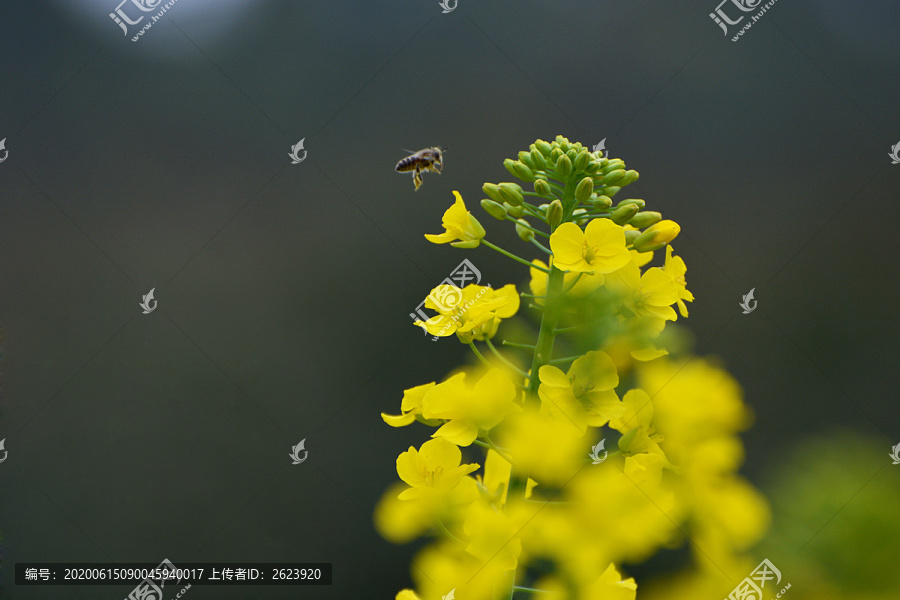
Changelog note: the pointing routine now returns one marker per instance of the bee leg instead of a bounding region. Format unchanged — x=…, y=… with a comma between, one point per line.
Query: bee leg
x=417, y=177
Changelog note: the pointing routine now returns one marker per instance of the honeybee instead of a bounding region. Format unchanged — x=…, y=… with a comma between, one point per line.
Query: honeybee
x=427, y=159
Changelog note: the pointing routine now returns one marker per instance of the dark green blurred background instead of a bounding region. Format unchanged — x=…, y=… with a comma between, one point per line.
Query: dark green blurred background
x=284, y=290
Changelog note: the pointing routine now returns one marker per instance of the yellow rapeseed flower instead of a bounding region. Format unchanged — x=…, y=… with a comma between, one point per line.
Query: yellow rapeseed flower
x=470, y=408
x=586, y=394
x=459, y=224
x=472, y=313
x=676, y=268
x=410, y=406
x=599, y=249
x=435, y=467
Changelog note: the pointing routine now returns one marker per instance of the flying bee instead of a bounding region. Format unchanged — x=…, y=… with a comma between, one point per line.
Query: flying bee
x=427, y=159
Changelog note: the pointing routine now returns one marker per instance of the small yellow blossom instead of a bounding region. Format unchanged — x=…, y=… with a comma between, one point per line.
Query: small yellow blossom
x=472, y=313
x=434, y=467
x=459, y=224
x=599, y=249
x=586, y=394
x=470, y=408
x=676, y=268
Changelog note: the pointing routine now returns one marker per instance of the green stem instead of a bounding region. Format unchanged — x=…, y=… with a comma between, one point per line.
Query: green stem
x=516, y=345
x=514, y=257
x=542, y=352
x=556, y=361
x=541, y=246
x=571, y=285
x=489, y=444
x=519, y=588
x=446, y=531
x=503, y=359
x=479, y=355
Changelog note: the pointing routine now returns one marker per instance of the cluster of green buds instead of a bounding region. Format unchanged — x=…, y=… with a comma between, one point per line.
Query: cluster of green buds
x=578, y=185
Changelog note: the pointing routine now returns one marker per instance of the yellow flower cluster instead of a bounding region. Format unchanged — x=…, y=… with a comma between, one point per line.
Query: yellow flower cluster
x=589, y=461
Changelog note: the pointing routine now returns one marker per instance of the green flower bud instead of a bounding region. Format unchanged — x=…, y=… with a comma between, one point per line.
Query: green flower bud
x=614, y=164
x=523, y=231
x=631, y=235
x=630, y=177
x=555, y=214
x=518, y=170
x=572, y=154
x=644, y=241
x=542, y=188
x=601, y=202
x=564, y=166
x=584, y=189
x=592, y=168
x=610, y=190
x=512, y=193
x=495, y=210
x=623, y=214
x=604, y=162
x=638, y=201
x=514, y=211
x=543, y=208
x=613, y=176
x=492, y=191
x=581, y=161
x=645, y=219
x=563, y=143
x=579, y=212
x=525, y=159
x=538, y=159
x=554, y=155
x=543, y=147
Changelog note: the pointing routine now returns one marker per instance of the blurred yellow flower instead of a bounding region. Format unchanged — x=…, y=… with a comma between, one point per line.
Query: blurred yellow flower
x=492, y=536
x=600, y=248
x=459, y=224
x=551, y=451
x=470, y=408
x=585, y=395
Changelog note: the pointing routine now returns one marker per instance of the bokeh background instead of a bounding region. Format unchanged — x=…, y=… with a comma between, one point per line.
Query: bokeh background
x=285, y=290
